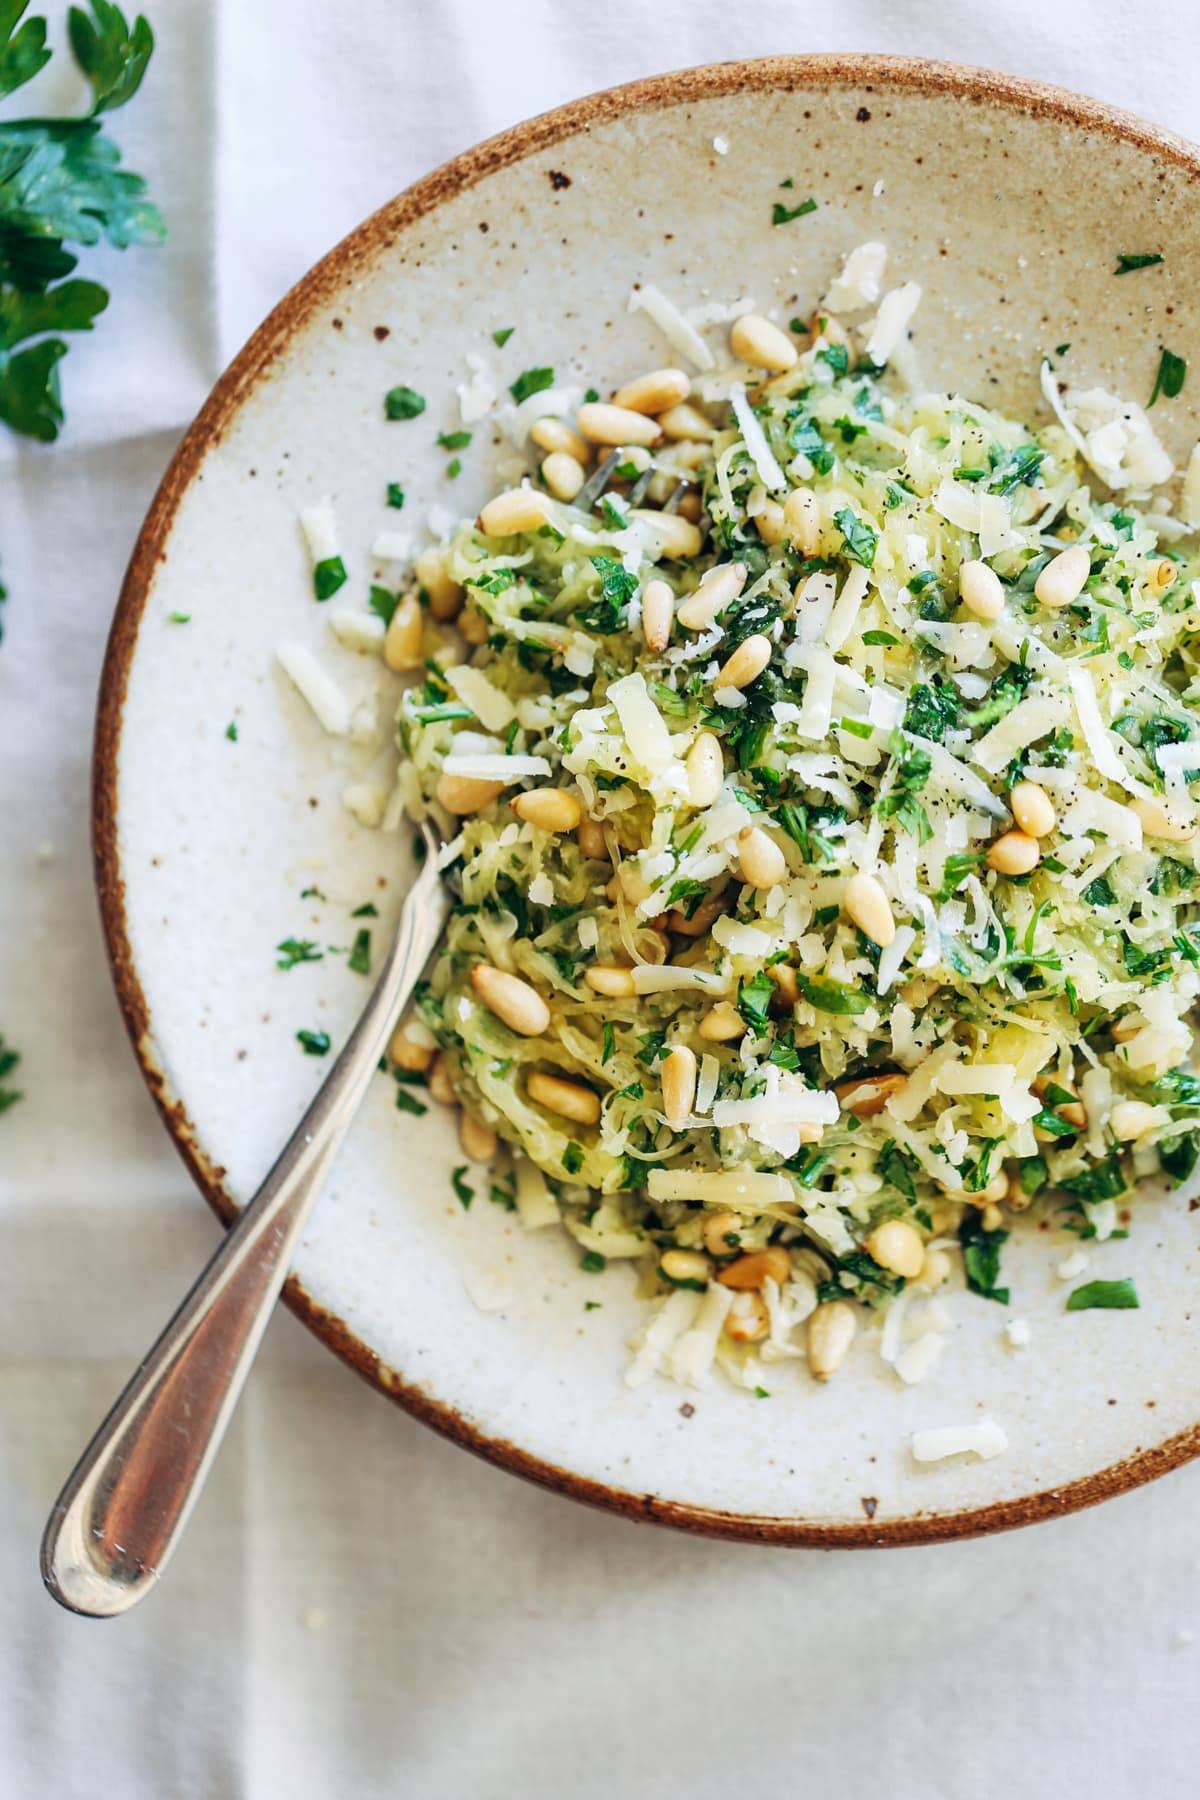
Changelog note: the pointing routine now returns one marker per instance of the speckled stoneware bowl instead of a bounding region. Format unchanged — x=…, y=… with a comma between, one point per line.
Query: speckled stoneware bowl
x=1008, y=202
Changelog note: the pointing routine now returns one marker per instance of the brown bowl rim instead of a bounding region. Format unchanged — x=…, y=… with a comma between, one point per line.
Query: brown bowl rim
x=865, y=73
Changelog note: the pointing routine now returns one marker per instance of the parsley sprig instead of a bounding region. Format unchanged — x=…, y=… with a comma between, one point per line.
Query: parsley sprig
x=61, y=183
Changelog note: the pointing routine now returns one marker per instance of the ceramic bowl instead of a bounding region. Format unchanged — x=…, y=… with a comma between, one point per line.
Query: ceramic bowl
x=1008, y=202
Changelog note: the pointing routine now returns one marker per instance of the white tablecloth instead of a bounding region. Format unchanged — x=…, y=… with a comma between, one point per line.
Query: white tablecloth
x=360, y=1609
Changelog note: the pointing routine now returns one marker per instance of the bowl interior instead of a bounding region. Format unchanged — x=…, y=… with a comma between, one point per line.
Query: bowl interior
x=1008, y=204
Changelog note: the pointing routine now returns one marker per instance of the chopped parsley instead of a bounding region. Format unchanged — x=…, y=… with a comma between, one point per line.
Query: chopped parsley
x=293, y=951
x=783, y=215
x=1144, y=259
x=9, y=1058
x=531, y=381
x=403, y=403
x=328, y=576
x=501, y=337
x=395, y=495
x=981, y=1257
x=859, y=538
x=1172, y=373
x=454, y=440
x=316, y=1043
x=592, y=1263
x=1109, y=1296
x=360, y=953
x=464, y=1192
x=231, y=732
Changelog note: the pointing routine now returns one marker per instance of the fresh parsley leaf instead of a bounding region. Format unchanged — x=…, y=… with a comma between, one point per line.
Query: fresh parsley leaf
x=617, y=588
x=836, y=356
x=1172, y=373
x=501, y=337
x=884, y=638
x=408, y=1103
x=180, y=618
x=403, y=403
x=609, y=1049
x=316, y=1043
x=231, y=732
x=531, y=381
x=454, y=440
x=360, y=955
x=572, y=1159
x=395, y=495
x=1144, y=259
x=383, y=602
x=1103, y=1181
x=1112, y=1296
x=593, y=1263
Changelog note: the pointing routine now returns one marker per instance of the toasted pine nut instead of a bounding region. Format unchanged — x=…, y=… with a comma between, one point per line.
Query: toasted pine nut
x=1157, y=822
x=802, y=516
x=589, y=834
x=1015, y=853
x=518, y=509
x=701, y=922
x=563, y=474
x=705, y=765
x=747, y=1321
x=746, y=664
x=683, y=422
x=461, y=794
x=981, y=590
x=718, y=1229
x=673, y=536
x=615, y=425
x=822, y=324
x=610, y=979
x=868, y=1096
x=935, y=1269
x=762, y=860
x=678, y=1077
x=557, y=438
x=658, y=614
x=990, y=1216
x=445, y=595
x=1132, y=1119
x=473, y=625
x=722, y=1024
x=897, y=1245
x=1071, y=1112
x=770, y=523
x=549, y=809
x=569, y=1099
x=690, y=506
x=830, y=1334
x=756, y=341
x=718, y=589
x=654, y=392
x=1126, y=1028
x=784, y=978
x=630, y=882
x=1161, y=576
x=771, y=1264
x=408, y=1055
x=868, y=906
x=513, y=1001
x=402, y=641
x=1033, y=809
x=441, y=1088
x=479, y=1142
x=1062, y=579
x=685, y=1265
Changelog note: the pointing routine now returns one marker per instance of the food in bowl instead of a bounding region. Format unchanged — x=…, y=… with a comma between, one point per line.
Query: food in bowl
x=815, y=755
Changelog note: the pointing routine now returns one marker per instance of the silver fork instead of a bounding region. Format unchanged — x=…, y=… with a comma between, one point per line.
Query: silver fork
x=117, y=1521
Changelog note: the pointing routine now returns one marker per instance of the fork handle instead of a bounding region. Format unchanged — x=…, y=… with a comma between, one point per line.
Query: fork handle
x=114, y=1526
